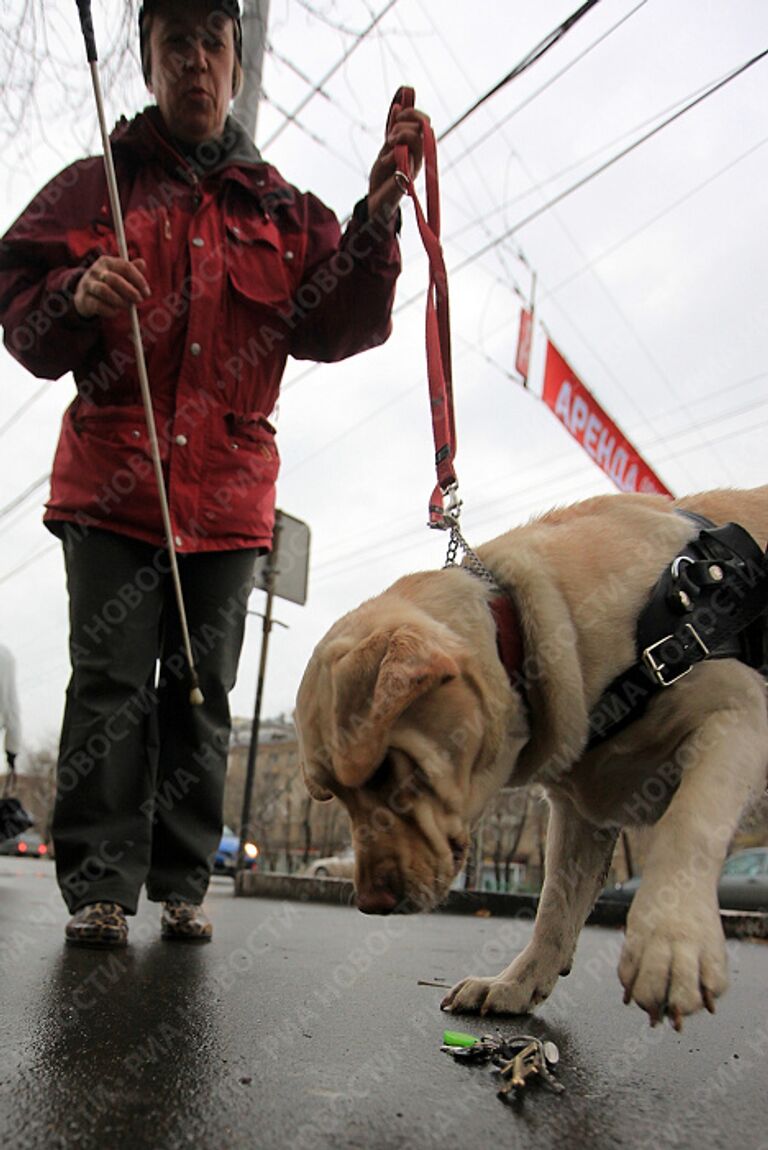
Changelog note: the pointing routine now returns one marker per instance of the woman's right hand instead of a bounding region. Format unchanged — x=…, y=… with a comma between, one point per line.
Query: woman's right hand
x=110, y=285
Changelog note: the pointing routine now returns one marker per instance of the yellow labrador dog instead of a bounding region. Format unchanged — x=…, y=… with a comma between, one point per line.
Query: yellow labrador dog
x=407, y=714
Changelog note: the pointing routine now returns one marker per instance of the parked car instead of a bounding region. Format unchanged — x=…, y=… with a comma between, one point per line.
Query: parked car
x=743, y=883
x=341, y=865
x=621, y=892
x=225, y=859
x=29, y=844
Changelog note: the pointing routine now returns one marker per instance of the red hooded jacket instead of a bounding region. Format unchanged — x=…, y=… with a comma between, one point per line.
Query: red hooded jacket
x=244, y=271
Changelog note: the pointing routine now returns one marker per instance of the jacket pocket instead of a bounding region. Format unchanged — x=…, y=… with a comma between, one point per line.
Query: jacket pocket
x=103, y=466
x=117, y=434
x=241, y=467
x=116, y=424
x=256, y=261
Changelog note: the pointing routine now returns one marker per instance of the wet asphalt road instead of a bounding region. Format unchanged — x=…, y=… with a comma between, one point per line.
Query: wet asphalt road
x=305, y=1025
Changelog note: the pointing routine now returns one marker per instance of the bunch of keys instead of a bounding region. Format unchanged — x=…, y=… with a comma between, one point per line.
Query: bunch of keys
x=516, y=1060
x=529, y=1056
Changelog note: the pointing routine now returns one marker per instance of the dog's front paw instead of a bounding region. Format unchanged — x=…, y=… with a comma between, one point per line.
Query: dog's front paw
x=674, y=966
x=523, y=985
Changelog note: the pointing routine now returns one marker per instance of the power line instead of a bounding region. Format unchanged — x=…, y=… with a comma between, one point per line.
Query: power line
x=609, y=251
x=15, y=502
x=340, y=107
x=28, y=562
x=290, y=117
x=321, y=143
x=478, y=140
x=466, y=186
x=555, y=176
x=692, y=102
x=321, y=570
x=611, y=161
x=530, y=58
x=321, y=16
x=25, y=407
x=503, y=504
x=696, y=98
x=393, y=400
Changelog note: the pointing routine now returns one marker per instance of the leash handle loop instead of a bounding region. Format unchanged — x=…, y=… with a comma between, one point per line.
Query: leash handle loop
x=438, y=329
x=404, y=97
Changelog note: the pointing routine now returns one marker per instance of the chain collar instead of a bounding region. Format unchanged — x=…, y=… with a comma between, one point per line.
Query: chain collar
x=472, y=560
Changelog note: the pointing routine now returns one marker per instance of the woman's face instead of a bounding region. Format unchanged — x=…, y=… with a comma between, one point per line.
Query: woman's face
x=192, y=61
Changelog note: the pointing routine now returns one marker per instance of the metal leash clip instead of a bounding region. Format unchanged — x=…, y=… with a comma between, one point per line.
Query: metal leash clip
x=452, y=511
x=443, y=517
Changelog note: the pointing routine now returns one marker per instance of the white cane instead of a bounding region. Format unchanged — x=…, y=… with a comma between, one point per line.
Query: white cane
x=86, y=23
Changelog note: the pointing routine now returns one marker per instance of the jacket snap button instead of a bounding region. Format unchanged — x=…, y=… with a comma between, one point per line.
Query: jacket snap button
x=195, y=348
x=181, y=440
x=198, y=241
x=289, y=255
x=178, y=540
x=136, y=434
x=234, y=446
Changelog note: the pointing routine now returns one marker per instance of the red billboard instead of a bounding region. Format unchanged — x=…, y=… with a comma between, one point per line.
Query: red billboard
x=581, y=414
x=523, y=357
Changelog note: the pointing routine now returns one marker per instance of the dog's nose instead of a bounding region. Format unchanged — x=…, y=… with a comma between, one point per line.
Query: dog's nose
x=376, y=901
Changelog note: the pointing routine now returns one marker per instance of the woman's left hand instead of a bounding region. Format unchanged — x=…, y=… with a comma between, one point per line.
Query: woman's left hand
x=384, y=192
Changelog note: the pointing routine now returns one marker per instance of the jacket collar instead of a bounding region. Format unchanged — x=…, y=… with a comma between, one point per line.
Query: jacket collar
x=233, y=156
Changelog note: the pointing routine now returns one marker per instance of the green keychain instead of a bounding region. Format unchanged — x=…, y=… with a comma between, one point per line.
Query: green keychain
x=456, y=1038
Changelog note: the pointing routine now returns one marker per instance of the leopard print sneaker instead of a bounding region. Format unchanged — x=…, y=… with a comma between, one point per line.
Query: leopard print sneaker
x=97, y=924
x=185, y=922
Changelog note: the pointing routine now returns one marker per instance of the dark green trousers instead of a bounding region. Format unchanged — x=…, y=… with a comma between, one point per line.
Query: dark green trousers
x=141, y=771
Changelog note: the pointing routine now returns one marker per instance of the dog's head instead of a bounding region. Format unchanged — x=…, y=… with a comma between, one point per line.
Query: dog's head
x=403, y=722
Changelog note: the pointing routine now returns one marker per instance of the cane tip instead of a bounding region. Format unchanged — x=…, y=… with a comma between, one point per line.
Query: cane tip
x=196, y=697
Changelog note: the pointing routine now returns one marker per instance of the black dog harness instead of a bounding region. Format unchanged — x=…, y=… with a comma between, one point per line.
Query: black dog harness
x=710, y=603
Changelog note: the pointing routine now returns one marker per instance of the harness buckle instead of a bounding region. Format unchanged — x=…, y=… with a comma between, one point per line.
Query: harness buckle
x=657, y=666
x=677, y=562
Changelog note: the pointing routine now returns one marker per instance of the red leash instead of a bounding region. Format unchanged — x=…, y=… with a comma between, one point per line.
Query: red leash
x=438, y=331
x=505, y=615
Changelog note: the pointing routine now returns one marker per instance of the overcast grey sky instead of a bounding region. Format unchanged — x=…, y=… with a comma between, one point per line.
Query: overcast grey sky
x=651, y=280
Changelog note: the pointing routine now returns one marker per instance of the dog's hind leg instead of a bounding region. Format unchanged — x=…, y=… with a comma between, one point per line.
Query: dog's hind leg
x=577, y=861
x=674, y=960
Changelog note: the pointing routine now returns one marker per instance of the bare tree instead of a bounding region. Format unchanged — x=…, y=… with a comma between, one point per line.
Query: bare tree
x=306, y=823
x=44, y=79
x=505, y=824
x=45, y=82
x=36, y=787
x=515, y=837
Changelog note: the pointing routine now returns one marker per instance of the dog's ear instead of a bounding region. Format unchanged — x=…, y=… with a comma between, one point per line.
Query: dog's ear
x=372, y=685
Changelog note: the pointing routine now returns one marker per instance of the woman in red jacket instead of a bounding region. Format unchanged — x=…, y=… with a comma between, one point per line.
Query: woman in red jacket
x=231, y=270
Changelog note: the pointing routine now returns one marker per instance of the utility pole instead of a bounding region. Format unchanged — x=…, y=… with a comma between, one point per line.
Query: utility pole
x=282, y=574
x=255, y=20
x=253, y=746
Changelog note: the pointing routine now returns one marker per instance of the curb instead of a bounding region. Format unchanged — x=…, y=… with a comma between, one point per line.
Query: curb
x=341, y=892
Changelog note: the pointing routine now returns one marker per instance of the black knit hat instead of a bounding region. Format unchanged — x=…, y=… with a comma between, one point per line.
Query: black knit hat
x=229, y=8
